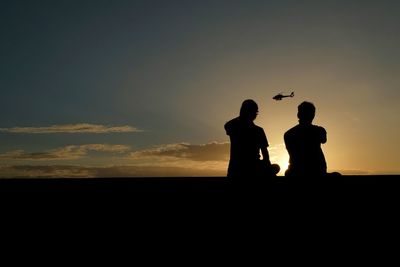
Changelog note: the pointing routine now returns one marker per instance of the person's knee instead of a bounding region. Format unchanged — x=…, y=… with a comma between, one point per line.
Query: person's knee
x=288, y=172
x=275, y=168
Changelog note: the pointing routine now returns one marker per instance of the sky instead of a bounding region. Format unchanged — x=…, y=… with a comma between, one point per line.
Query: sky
x=105, y=88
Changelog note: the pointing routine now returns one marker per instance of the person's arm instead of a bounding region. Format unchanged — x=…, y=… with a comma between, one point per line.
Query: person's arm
x=265, y=154
x=263, y=144
x=323, y=135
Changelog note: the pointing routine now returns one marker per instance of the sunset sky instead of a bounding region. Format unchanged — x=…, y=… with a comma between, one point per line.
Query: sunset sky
x=100, y=88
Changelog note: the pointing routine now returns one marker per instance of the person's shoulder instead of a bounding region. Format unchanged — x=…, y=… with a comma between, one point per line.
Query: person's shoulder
x=292, y=130
x=231, y=124
x=232, y=121
x=319, y=128
x=259, y=128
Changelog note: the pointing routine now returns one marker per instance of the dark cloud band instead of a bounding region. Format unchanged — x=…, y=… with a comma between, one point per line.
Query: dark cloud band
x=71, y=128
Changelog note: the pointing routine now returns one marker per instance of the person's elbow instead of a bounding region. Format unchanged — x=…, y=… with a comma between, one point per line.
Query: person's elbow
x=323, y=136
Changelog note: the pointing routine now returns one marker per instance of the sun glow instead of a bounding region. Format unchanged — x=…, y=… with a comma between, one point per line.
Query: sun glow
x=283, y=161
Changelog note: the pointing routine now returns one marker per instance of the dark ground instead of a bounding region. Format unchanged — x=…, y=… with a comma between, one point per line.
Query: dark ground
x=167, y=183
x=197, y=188
x=204, y=206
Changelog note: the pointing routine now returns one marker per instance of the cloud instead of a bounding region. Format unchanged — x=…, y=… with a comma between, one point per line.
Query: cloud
x=277, y=153
x=71, y=128
x=200, y=153
x=67, y=171
x=183, y=159
x=53, y=171
x=205, y=152
x=70, y=171
x=161, y=161
x=65, y=153
x=180, y=159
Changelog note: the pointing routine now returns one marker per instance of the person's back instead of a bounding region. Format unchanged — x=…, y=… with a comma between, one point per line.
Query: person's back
x=303, y=143
x=247, y=139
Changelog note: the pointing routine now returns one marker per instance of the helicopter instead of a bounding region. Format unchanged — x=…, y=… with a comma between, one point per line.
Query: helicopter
x=280, y=96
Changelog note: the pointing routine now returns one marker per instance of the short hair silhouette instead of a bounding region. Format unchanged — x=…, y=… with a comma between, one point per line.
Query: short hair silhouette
x=306, y=112
x=249, y=109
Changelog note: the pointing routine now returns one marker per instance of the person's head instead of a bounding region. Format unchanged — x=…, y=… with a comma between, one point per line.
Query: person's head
x=249, y=110
x=306, y=112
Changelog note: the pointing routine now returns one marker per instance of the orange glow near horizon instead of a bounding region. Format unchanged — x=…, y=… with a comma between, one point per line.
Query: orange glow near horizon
x=284, y=164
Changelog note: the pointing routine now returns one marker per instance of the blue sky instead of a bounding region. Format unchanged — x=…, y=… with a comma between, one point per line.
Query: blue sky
x=178, y=70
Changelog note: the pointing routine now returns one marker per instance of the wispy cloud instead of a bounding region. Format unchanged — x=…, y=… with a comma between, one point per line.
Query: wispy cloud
x=71, y=128
x=162, y=161
x=65, y=153
x=177, y=153
x=67, y=171
x=53, y=171
x=71, y=171
x=180, y=159
x=204, y=152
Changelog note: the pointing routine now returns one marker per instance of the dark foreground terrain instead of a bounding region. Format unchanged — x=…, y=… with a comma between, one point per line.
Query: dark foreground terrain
x=191, y=187
x=197, y=203
x=184, y=183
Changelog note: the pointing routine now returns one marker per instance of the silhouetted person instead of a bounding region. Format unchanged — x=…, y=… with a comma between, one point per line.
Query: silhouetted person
x=303, y=143
x=247, y=140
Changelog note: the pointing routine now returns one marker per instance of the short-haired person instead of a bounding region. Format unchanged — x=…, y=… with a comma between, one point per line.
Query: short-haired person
x=303, y=143
x=247, y=140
